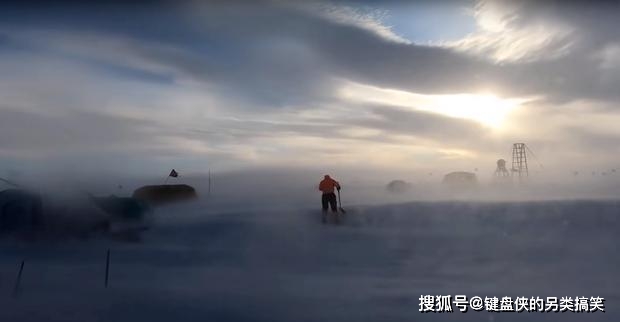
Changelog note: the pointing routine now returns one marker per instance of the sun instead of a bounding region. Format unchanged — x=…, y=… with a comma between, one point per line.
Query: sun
x=486, y=109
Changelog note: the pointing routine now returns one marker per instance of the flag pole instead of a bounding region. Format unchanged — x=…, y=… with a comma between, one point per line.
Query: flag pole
x=173, y=174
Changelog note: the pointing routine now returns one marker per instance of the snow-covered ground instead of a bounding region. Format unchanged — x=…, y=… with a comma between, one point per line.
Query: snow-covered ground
x=199, y=263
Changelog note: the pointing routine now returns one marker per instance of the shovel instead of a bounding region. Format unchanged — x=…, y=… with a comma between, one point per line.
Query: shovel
x=340, y=204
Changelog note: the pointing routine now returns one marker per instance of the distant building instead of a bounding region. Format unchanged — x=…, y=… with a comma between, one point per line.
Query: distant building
x=398, y=186
x=460, y=180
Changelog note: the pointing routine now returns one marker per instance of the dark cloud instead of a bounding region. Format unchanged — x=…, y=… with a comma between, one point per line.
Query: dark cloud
x=61, y=133
x=264, y=64
x=278, y=55
x=275, y=55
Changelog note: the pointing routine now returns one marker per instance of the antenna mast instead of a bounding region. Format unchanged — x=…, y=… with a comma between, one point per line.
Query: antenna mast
x=519, y=160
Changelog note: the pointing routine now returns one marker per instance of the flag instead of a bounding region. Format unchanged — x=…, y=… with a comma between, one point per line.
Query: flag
x=173, y=174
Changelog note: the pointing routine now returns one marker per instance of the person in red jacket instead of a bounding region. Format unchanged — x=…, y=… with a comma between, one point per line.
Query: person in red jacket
x=327, y=186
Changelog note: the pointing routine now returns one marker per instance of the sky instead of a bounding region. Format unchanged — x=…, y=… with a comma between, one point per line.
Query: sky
x=416, y=86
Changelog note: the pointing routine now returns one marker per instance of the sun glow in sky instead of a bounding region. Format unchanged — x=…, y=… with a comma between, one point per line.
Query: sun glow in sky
x=486, y=109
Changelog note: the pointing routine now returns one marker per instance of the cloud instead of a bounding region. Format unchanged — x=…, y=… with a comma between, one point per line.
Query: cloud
x=506, y=35
x=609, y=57
x=261, y=83
x=363, y=18
x=72, y=133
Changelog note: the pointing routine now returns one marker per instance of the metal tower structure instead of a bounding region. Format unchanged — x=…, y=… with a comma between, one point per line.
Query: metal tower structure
x=501, y=170
x=519, y=160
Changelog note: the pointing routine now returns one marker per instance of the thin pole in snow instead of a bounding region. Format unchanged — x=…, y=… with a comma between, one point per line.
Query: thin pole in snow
x=107, y=268
x=18, y=281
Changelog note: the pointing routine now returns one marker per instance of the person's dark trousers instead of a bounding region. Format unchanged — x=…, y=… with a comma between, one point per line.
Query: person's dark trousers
x=329, y=199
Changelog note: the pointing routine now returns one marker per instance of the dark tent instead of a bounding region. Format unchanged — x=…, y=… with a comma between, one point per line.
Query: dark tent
x=20, y=210
x=161, y=194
